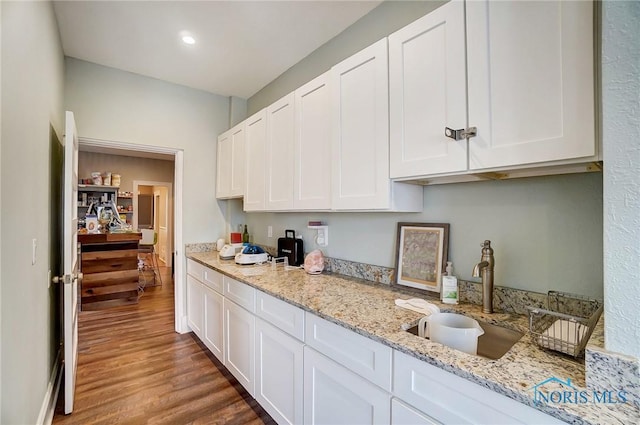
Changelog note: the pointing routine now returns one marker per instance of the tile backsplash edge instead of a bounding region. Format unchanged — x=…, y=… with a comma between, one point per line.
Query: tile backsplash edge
x=505, y=299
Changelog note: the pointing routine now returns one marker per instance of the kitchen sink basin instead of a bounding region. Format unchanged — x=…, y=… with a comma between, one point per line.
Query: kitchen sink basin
x=495, y=341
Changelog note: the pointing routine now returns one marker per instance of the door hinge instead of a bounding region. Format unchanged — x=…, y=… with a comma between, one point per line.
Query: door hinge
x=460, y=134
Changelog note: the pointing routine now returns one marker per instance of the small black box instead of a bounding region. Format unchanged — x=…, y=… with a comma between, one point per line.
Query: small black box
x=291, y=248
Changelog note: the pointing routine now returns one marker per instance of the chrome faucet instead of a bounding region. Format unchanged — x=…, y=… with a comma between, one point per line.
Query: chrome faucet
x=485, y=266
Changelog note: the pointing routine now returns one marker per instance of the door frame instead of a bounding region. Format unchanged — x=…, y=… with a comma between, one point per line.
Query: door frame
x=180, y=314
x=169, y=187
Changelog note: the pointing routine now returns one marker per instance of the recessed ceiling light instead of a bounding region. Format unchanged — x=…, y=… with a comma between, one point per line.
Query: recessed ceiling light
x=187, y=39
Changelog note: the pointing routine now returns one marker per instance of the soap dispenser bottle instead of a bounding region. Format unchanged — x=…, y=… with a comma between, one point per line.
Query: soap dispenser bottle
x=449, y=286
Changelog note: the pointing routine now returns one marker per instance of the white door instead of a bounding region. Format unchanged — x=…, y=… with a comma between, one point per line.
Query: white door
x=531, y=91
x=280, y=146
x=312, y=173
x=239, y=344
x=279, y=374
x=71, y=275
x=427, y=92
x=402, y=414
x=255, y=165
x=224, y=169
x=195, y=305
x=334, y=395
x=213, y=323
x=237, y=161
x=360, y=148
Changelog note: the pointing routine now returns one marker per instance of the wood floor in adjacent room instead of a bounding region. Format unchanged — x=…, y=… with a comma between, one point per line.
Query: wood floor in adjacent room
x=133, y=368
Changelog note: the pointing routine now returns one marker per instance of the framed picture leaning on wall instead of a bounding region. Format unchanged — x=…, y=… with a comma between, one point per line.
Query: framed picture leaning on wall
x=421, y=254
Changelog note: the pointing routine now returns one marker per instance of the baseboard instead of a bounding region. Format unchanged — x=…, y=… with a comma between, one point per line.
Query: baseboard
x=48, y=408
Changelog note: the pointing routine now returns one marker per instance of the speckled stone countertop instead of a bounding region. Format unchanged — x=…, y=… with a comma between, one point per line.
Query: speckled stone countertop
x=369, y=309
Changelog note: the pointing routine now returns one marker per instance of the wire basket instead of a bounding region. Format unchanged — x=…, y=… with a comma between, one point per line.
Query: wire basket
x=567, y=323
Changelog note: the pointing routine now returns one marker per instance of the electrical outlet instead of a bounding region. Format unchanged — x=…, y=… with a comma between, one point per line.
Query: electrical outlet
x=269, y=231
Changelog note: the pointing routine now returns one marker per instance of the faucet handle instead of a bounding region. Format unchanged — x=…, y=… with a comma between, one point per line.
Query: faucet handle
x=486, y=248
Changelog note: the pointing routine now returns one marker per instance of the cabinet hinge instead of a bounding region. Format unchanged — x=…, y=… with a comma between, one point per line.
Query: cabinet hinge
x=460, y=134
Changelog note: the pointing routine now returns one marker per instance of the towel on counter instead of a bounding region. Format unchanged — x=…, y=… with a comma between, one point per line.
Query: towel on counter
x=418, y=305
x=563, y=335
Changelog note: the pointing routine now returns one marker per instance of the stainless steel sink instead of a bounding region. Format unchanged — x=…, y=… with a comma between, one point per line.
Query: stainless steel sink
x=495, y=342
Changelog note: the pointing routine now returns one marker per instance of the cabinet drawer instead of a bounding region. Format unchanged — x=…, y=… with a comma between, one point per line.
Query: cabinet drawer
x=432, y=390
x=240, y=293
x=362, y=355
x=107, y=261
x=206, y=275
x=286, y=317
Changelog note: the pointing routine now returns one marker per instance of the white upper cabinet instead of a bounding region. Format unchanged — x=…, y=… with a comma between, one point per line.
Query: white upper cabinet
x=360, y=141
x=531, y=82
x=312, y=173
x=427, y=83
x=530, y=89
x=280, y=154
x=223, y=170
x=230, y=170
x=255, y=163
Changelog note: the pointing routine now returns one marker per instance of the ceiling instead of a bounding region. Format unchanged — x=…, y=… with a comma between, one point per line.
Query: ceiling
x=241, y=46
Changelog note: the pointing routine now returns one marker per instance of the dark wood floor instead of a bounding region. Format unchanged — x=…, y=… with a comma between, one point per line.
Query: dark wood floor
x=134, y=369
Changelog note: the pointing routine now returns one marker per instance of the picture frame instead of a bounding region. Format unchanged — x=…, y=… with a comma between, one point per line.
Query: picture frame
x=422, y=250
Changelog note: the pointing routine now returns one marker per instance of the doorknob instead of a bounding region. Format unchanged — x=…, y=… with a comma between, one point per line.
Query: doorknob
x=66, y=278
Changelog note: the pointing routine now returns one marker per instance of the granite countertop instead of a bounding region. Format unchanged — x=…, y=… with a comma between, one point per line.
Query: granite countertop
x=369, y=309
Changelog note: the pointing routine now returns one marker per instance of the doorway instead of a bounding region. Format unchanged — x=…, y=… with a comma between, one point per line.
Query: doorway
x=152, y=209
x=175, y=236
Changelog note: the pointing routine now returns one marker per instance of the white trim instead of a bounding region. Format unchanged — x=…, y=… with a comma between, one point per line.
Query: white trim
x=180, y=321
x=48, y=408
x=179, y=287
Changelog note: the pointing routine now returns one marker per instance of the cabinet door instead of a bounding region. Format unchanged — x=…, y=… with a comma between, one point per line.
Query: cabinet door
x=213, y=323
x=401, y=414
x=360, y=148
x=279, y=374
x=427, y=92
x=280, y=146
x=334, y=395
x=239, y=326
x=195, y=305
x=223, y=172
x=531, y=81
x=312, y=174
x=255, y=145
x=236, y=185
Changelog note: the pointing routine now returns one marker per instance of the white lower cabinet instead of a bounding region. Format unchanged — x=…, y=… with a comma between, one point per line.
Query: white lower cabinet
x=279, y=373
x=402, y=414
x=451, y=399
x=195, y=305
x=213, y=332
x=239, y=345
x=334, y=395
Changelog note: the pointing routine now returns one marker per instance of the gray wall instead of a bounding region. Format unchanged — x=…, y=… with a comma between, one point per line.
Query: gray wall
x=547, y=232
x=114, y=105
x=380, y=22
x=32, y=108
x=621, y=132
x=130, y=168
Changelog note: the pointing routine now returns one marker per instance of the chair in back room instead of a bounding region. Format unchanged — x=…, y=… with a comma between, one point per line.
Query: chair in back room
x=148, y=260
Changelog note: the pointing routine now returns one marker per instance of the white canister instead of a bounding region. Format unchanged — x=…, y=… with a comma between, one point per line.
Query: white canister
x=96, y=176
x=220, y=244
x=106, y=179
x=115, y=180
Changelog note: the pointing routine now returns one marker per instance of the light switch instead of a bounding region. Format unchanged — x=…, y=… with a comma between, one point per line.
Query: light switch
x=34, y=247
